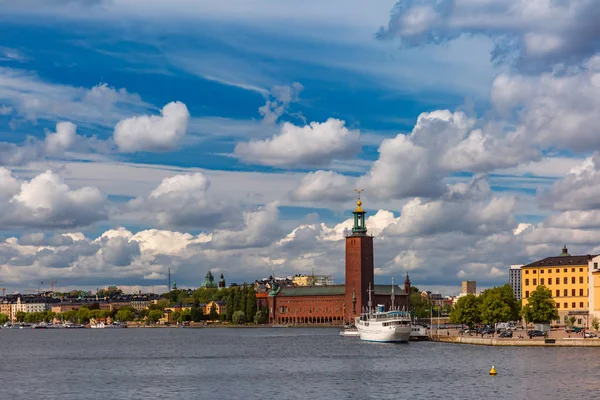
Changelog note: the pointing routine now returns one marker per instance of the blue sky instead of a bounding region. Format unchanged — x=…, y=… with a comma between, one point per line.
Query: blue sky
x=98, y=65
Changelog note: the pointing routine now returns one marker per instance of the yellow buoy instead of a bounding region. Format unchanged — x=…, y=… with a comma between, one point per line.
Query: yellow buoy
x=493, y=371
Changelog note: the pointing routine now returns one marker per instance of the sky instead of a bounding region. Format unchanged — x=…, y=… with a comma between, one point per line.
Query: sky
x=230, y=136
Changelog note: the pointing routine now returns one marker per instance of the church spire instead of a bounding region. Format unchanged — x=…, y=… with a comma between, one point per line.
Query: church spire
x=359, y=227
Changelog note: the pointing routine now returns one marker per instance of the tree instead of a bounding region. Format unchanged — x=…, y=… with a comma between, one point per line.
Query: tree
x=3, y=319
x=251, y=301
x=237, y=303
x=196, y=314
x=466, y=311
x=571, y=322
x=214, y=315
x=154, y=316
x=125, y=315
x=20, y=316
x=175, y=316
x=595, y=323
x=540, y=307
x=420, y=306
x=239, y=318
x=494, y=309
x=243, y=298
x=229, y=306
x=261, y=316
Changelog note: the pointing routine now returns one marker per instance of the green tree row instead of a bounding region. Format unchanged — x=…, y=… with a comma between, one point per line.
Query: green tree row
x=490, y=307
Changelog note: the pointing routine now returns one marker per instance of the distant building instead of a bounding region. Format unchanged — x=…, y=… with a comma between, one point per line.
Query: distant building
x=514, y=279
x=209, y=281
x=220, y=306
x=469, y=287
x=309, y=280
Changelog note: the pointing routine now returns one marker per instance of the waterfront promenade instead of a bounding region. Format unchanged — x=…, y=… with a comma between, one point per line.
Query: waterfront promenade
x=557, y=338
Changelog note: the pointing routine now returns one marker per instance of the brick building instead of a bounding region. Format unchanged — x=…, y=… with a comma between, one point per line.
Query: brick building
x=336, y=304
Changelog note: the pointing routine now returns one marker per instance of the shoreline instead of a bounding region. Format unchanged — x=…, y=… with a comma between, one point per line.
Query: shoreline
x=477, y=341
x=231, y=326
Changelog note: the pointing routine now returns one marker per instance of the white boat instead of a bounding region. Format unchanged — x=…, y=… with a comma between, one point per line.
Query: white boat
x=418, y=332
x=384, y=326
x=102, y=325
x=350, y=331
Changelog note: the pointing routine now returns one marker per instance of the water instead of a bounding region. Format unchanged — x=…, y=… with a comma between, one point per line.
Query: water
x=279, y=363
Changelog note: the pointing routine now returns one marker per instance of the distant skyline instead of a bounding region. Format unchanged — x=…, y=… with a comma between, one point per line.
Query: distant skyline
x=231, y=136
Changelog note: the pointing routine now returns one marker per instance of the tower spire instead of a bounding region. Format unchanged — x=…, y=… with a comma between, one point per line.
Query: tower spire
x=359, y=227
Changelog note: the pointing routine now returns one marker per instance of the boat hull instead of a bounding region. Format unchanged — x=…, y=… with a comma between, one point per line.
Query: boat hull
x=349, y=333
x=389, y=334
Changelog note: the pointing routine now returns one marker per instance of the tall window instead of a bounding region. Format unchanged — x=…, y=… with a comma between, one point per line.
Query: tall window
x=566, y=306
x=581, y=304
x=526, y=293
x=572, y=279
x=534, y=282
x=573, y=305
x=580, y=269
x=572, y=269
x=541, y=271
x=526, y=282
x=549, y=281
x=557, y=305
x=557, y=270
x=565, y=270
x=565, y=280
x=581, y=292
x=526, y=272
x=581, y=279
x=557, y=293
x=541, y=281
x=572, y=292
x=565, y=292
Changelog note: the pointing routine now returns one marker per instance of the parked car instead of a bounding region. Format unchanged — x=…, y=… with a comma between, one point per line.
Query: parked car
x=506, y=334
x=535, y=333
x=589, y=335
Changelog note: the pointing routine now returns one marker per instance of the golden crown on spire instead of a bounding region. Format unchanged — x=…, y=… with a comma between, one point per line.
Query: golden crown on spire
x=359, y=203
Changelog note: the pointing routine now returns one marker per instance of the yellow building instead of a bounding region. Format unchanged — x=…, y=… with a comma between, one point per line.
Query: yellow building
x=303, y=280
x=567, y=278
x=220, y=306
x=594, y=286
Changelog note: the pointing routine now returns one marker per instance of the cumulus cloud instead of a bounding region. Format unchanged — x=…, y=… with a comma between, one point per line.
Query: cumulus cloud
x=530, y=34
x=579, y=190
x=554, y=110
x=182, y=200
x=278, y=101
x=314, y=144
x=46, y=201
x=323, y=186
x=260, y=229
x=441, y=142
x=151, y=132
x=30, y=98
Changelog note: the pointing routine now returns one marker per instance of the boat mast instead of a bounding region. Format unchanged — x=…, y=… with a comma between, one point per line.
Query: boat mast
x=370, y=304
x=393, y=297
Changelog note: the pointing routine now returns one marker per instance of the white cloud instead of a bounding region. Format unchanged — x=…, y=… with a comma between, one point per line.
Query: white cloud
x=182, y=200
x=279, y=100
x=554, y=110
x=314, y=144
x=46, y=201
x=31, y=99
x=578, y=190
x=261, y=228
x=323, y=186
x=55, y=145
x=531, y=34
x=153, y=133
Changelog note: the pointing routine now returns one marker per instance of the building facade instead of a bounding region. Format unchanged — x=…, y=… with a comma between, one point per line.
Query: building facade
x=469, y=287
x=567, y=277
x=514, y=279
x=335, y=304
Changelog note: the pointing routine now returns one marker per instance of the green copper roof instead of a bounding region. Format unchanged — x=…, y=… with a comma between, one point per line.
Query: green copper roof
x=387, y=290
x=334, y=290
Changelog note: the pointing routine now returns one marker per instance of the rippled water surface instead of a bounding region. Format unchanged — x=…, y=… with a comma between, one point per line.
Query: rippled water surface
x=279, y=363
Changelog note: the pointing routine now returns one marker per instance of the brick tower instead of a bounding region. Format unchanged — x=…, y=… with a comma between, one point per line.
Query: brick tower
x=359, y=264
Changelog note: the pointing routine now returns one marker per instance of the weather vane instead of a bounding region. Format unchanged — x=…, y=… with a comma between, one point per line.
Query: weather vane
x=359, y=191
